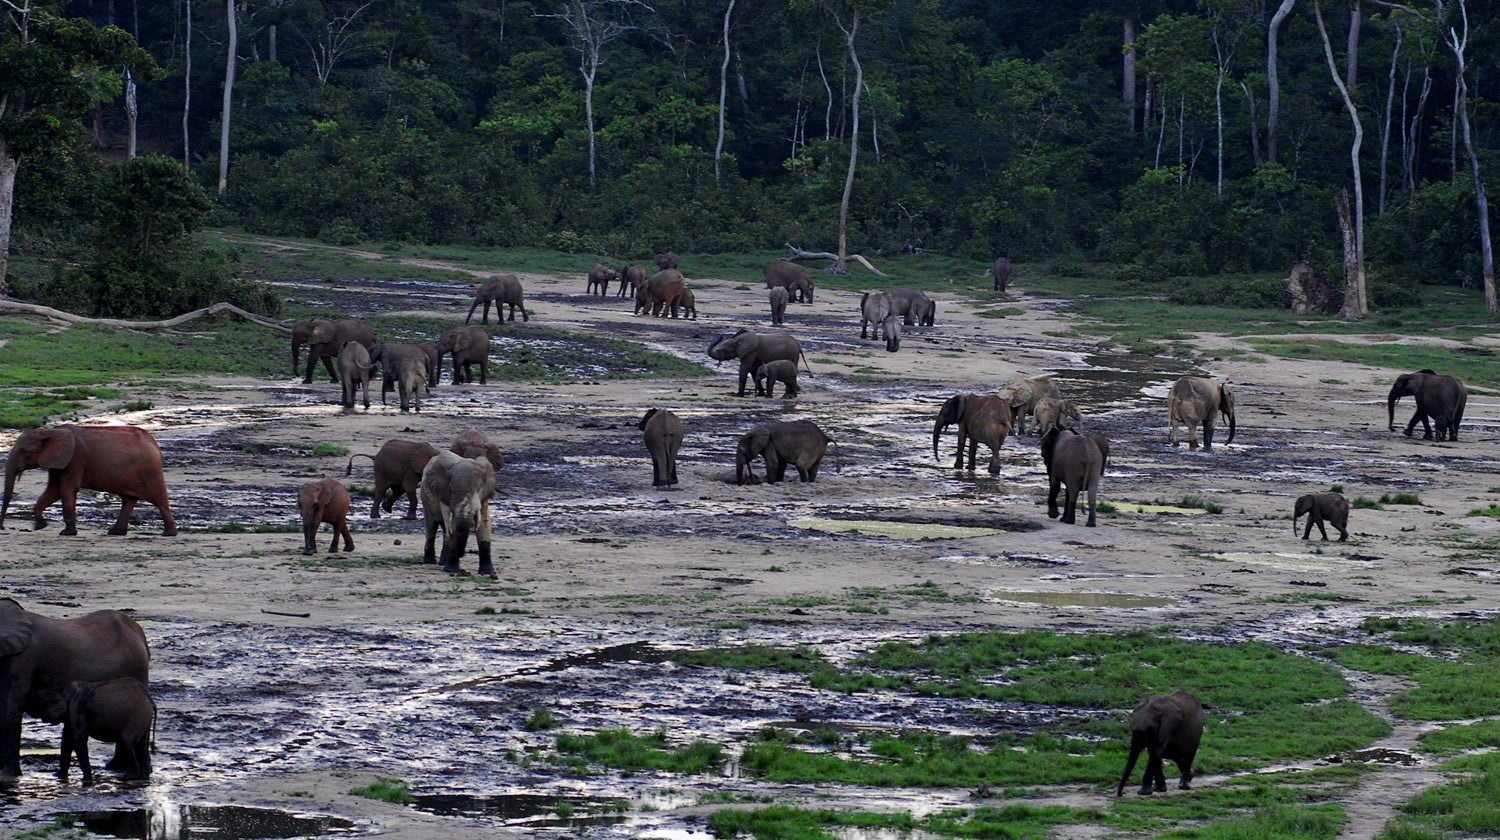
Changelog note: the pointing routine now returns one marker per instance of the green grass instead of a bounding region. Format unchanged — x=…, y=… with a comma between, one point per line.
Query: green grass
x=540, y=719
x=1400, y=499
x=1455, y=682
x=1023, y=822
x=1456, y=739
x=619, y=749
x=1365, y=503
x=1467, y=807
x=385, y=790
x=329, y=449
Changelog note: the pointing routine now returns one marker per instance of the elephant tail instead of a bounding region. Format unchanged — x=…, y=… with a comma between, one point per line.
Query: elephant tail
x=804, y=361
x=349, y=470
x=838, y=456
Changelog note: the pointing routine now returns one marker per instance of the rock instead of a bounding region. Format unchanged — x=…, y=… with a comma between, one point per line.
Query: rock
x=1308, y=293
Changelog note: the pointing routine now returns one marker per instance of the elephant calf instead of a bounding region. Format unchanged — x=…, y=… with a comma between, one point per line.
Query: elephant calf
x=398, y=469
x=663, y=432
x=600, y=276
x=501, y=290
x=1052, y=413
x=321, y=501
x=456, y=495
x=875, y=311
x=118, y=711
x=354, y=369
x=777, y=370
x=797, y=442
x=778, y=298
x=1074, y=461
x=1169, y=726
x=1332, y=508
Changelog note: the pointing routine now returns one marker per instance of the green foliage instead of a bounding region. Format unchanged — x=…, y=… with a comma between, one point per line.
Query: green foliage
x=1400, y=499
x=393, y=791
x=541, y=718
x=1454, y=683
x=1467, y=807
x=619, y=749
x=330, y=449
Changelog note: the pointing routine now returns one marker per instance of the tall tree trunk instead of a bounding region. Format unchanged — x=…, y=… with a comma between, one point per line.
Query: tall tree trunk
x=187, y=84
x=723, y=93
x=8, y=167
x=1412, y=132
x=1385, y=123
x=828, y=92
x=1355, y=306
x=1351, y=72
x=1273, y=77
x=131, y=113
x=859, y=79
x=588, y=115
x=1256, y=155
x=271, y=43
x=232, y=56
x=1127, y=89
x=1482, y=205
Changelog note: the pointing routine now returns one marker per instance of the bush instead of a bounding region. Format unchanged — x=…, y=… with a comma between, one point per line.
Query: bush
x=1234, y=291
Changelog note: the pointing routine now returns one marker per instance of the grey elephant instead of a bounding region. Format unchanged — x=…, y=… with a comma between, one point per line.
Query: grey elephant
x=1439, y=397
x=468, y=346
x=434, y=364
x=118, y=711
x=1023, y=395
x=456, y=495
x=661, y=293
x=778, y=298
x=1075, y=462
x=354, y=370
x=1332, y=508
x=403, y=368
x=398, y=470
x=1196, y=401
x=324, y=500
x=1165, y=727
x=123, y=460
x=473, y=443
x=790, y=276
x=667, y=260
x=663, y=434
x=1001, y=272
x=797, y=442
x=875, y=311
x=502, y=290
x=755, y=349
x=39, y=654
x=772, y=372
x=632, y=277
x=981, y=418
x=1053, y=413
x=600, y=276
x=324, y=341
x=689, y=303
x=914, y=307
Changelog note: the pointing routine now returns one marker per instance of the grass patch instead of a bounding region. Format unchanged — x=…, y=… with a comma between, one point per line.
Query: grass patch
x=795, y=660
x=1455, y=680
x=393, y=791
x=242, y=528
x=619, y=749
x=1467, y=807
x=329, y=449
x=1456, y=739
x=1400, y=499
x=1365, y=503
x=1492, y=509
x=541, y=718
x=1013, y=821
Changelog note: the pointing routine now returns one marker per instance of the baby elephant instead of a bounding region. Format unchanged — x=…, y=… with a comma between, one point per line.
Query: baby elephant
x=779, y=370
x=1169, y=726
x=1332, y=508
x=663, y=438
x=1052, y=412
x=119, y=711
x=778, y=297
x=321, y=501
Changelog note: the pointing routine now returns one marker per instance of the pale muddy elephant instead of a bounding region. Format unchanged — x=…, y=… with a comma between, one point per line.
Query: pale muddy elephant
x=632, y=277
x=689, y=303
x=915, y=308
x=875, y=311
x=1196, y=401
x=324, y=340
x=667, y=260
x=754, y=350
x=1053, y=413
x=663, y=435
x=354, y=370
x=1439, y=397
x=1166, y=727
x=599, y=278
x=403, y=368
x=1332, y=508
x=39, y=654
x=790, y=276
x=981, y=418
x=778, y=298
x=502, y=290
x=1075, y=462
x=324, y=500
x=468, y=346
x=797, y=442
x=772, y=372
x=472, y=443
x=1001, y=271
x=398, y=470
x=1023, y=395
x=123, y=460
x=118, y=711
x=661, y=293
x=456, y=495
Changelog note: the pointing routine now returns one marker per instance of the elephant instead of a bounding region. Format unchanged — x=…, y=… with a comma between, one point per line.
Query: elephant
x=434, y=364
x=1023, y=395
x=689, y=303
x=875, y=311
x=790, y=276
x=797, y=442
x=981, y=418
x=754, y=350
x=600, y=276
x=118, y=711
x=1054, y=413
x=1073, y=460
x=354, y=369
x=1001, y=272
x=663, y=433
x=501, y=290
x=777, y=370
x=1167, y=726
x=123, y=460
x=472, y=443
x=632, y=277
x=467, y=345
x=39, y=654
x=666, y=261
x=914, y=307
x=403, y=367
x=456, y=495
x=663, y=291
x=1332, y=508
x=324, y=500
x=1439, y=397
x=398, y=469
x=324, y=341
x=778, y=298
x=301, y=331
x=1196, y=400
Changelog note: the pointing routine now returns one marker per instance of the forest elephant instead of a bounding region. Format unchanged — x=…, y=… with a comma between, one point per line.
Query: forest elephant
x=1332, y=508
x=118, y=711
x=468, y=346
x=778, y=298
x=914, y=307
x=1073, y=462
x=1196, y=401
x=403, y=367
x=324, y=341
x=1022, y=396
x=666, y=261
x=689, y=303
x=875, y=311
x=502, y=290
x=777, y=370
x=434, y=364
x=324, y=500
x=1001, y=272
x=1053, y=413
x=472, y=443
x=456, y=495
x=1168, y=726
x=301, y=332
x=981, y=418
x=39, y=654
x=123, y=460
x=663, y=433
x=354, y=370
x=600, y=276
x=398, y=470
x=632, y=277
x=754, y=350
x=661, y=292
x=790, y=276
x=797, y=442
x=1439, y=397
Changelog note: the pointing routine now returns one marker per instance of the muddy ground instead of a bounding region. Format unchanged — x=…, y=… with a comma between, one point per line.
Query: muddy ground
x=398, y=671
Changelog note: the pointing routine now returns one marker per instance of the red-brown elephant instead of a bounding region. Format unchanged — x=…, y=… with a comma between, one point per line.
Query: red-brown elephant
x=123, y=460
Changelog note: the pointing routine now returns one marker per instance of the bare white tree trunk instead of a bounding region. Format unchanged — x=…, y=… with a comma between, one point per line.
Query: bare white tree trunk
x=1351, y=72
x=8, y=167
x=1459, y=43
x=1411, y=131
x=187, y=84
x=827, y=92
x=723, y=93
x=850, y=34
x=1355, y=304
x=1273, y=77
x=1385, y=123
x=131, y=113
x=230, y=61
x=1127, y=88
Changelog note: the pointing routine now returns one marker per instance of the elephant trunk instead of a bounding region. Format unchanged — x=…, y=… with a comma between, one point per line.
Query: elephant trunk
x=937, y=436
x=1391, y=410
x=12, y=471
x=1230, y=439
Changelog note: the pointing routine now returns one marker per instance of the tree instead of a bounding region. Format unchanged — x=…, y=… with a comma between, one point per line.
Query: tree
x=723, y=89
x=1355, y=303
x=1273, y=76
x=336, y=40
x=52, y=71
x=231, y=60
x=1458, y=41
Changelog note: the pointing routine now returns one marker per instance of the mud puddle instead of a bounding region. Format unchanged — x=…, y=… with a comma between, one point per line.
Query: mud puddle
x=169, y=821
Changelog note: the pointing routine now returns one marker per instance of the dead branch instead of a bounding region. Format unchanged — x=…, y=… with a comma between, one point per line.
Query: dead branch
x=799, y=254
x=15, y=307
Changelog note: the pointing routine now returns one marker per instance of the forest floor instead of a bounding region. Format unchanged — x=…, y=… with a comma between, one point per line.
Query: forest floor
x=285, y=682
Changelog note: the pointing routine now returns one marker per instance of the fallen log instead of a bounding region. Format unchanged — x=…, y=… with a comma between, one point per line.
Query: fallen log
x=15, y=307
x=799, y=254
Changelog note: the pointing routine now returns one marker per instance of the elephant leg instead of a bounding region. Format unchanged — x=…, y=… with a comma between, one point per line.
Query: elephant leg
x=995, y=460
x=812, y=469
x=1208, y=436
x=1093, y=493
x=672, y=464
x=122, y=523
x=483, y=539
x=486, y=564
x=332, y=375
x=1054, y=484
x=380, y=496
x=70, y=512
x=65, y=756
x=1343, y=531
x=85, y=767
x=744, y=375
x=1307, y=532
x=1070, y=504
x=411, y=497
x=1322, y=530
x=484, y=369
x=309, y=534
x=973, y=453
x=429, y=548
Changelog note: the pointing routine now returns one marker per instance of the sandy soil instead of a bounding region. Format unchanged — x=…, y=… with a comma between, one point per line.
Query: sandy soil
x=584, y=542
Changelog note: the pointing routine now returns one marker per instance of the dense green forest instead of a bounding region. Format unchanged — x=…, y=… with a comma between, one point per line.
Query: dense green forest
x=1154, y=135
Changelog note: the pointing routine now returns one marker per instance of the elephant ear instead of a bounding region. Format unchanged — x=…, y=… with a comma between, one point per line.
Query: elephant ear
x=56, y=450
x=15, y=628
